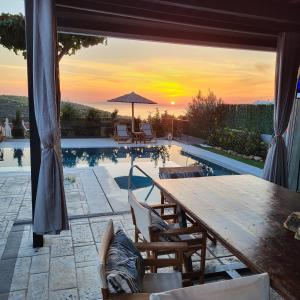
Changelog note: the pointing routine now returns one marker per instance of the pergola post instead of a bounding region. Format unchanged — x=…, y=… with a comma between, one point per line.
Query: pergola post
x=35, y=144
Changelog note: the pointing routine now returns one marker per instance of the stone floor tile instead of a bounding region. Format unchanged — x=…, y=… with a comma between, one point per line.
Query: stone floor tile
x=29, y=251
x=85, y=253
x=62, y=273
x=38, y=287
x=61, y=246
x=209, y=265
x=229, y=260
x=128, y=224
x=21, y=274
x=22, y=264
x=88, y=283
x=81, y=233
x=99, y=228
x=17, y=295
x=19, y=281
x=90, y=263
x=79, y=221
x=40, y=264
x=68, y=294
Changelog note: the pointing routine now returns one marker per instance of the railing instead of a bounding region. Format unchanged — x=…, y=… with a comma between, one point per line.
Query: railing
x=143, y=172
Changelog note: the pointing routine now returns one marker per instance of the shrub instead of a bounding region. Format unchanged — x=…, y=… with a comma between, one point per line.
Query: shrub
x=93, y=114
x=161, y=122
x=244, y=141
x=69, y=112
x=205, y=114
x=17, y=130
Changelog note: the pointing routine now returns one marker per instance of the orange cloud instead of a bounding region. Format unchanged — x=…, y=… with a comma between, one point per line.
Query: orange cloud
x=159, y=71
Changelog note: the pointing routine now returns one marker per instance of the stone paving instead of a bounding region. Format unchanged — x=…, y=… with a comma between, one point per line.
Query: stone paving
x=66, y=267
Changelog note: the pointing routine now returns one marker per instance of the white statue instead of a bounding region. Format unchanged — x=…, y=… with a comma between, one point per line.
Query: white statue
x=7, y=129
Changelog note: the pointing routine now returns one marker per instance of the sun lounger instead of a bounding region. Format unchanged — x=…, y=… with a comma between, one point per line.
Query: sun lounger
x=122, y=134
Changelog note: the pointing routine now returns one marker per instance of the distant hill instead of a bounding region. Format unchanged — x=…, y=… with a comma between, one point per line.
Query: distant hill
x=9, y=104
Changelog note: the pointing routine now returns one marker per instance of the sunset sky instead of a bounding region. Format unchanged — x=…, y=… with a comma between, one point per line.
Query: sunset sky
x=165, y=73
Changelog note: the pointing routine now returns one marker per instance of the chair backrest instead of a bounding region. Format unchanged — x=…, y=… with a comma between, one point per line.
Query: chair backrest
x=180, y=172
x=142, y=216
x=146, y=128
x=122, y=130
x=245, y=288
x=104, y=246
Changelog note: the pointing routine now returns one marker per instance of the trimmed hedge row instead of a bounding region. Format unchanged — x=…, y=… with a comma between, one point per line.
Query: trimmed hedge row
x=247, y=142
x=254, y=117
x=87, y=128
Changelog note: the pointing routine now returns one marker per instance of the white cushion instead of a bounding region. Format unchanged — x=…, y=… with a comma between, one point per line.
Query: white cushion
x=121, y=127
x=161, y=282
x=123, y=134
x=256, y=287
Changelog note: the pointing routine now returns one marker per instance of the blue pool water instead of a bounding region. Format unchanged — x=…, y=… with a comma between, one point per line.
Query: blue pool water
x=90, y=157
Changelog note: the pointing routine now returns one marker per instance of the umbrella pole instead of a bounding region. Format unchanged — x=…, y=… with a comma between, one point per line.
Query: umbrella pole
x=132, y=116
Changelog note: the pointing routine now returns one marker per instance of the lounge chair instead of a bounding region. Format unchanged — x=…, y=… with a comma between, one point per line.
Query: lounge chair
x=155, y=228
x=149, y=134
x=150, y=282
x=122, y=134
x=245, y=288
x=183, y=172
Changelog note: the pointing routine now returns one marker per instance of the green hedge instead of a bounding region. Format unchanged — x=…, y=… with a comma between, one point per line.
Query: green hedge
x=254, y=117
x=87, y=128
x=247, y=142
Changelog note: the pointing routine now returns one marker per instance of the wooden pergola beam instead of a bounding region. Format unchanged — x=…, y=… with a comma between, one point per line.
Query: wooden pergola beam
x=93, y=23
x=240, y=24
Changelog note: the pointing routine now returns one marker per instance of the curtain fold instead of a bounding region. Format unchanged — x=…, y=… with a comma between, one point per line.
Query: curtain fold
x=50, y=215
x=294, y=148
x=287, y=63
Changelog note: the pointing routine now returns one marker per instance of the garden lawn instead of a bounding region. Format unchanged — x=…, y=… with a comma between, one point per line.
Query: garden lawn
x=257, y=164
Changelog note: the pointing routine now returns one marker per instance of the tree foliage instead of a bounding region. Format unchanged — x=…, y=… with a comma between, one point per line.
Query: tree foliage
x=18, y=130
x=205, y=113
x=161, y=122
x=12, y=37
x=69, y=112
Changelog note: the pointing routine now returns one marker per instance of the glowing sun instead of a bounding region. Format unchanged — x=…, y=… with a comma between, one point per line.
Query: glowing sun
x=172, y=102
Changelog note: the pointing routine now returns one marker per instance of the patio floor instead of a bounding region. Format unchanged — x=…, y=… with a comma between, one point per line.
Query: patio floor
x=66, y=267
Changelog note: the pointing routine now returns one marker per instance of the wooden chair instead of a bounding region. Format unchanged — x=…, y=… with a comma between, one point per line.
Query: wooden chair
x=244, y=288
x=122, y=133
x=182, y=172
x=152, y=282
x=144, y=225
x=149, y=134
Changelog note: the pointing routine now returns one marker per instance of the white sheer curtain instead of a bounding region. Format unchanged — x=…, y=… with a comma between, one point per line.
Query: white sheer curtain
x=287, y=63
x=50, y=215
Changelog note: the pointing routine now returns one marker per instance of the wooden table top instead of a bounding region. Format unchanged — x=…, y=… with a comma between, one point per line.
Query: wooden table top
x=246, y=214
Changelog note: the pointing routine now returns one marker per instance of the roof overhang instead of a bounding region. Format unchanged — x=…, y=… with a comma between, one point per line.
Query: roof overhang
x=236, y=24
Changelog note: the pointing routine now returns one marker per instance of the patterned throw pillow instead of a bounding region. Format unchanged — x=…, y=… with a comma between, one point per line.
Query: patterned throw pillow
x=124, y=265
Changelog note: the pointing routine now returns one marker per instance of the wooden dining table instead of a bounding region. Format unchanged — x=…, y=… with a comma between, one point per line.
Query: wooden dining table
x=246, y=214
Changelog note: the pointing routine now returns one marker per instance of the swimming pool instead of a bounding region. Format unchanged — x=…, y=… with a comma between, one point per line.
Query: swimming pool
x=19, y=159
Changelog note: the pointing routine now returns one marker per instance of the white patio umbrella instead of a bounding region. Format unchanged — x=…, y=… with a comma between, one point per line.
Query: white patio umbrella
x=7, y=129
x=132, y=98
